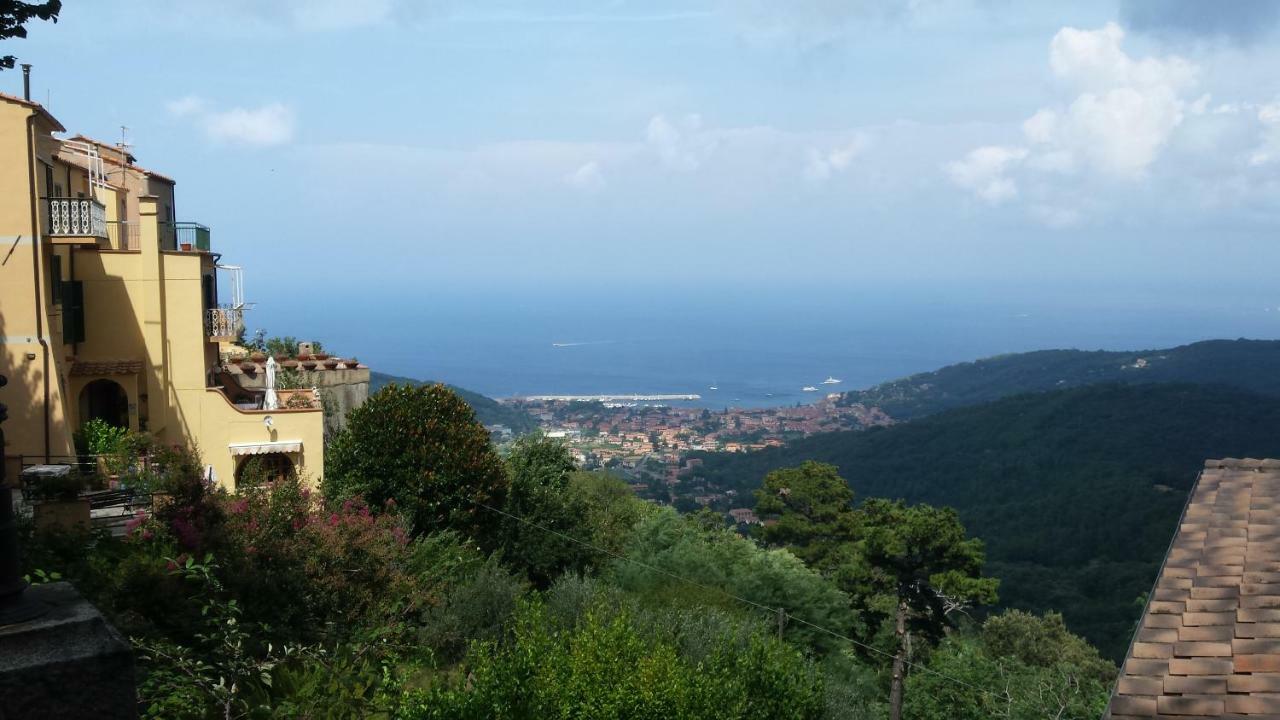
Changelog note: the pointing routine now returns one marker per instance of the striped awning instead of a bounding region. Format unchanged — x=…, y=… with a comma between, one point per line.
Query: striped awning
x=279, y=446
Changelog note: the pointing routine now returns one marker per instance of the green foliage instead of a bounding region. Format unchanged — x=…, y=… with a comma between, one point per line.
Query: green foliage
x=605, y=668
x=227, y=662
x=813, y=510
x=610, y=510
x=488, y=411
x=725, y=564
x=101, y=437
x=1019, y=667
x=919, y=555
x=537, y=543
x=421, y=448
x=14, y=16
x=475, y=609
x=1245, y=364
x=1075, y=492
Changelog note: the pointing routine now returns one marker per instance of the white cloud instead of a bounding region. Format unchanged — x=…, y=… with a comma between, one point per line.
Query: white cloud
x=1128, y=108
x=267, y=125
x=822, y=165
x=184, y=106
x=985, y=172
x=1268, y=149
x=680, y=145
x=587, y=177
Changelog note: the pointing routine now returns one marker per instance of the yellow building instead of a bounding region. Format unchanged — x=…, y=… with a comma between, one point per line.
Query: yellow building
x=109, y=309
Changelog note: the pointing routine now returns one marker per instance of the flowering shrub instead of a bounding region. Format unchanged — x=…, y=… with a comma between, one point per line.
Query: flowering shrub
x=307, y=568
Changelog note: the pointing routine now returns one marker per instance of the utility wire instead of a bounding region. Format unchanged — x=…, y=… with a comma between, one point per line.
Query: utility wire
x=730, y=595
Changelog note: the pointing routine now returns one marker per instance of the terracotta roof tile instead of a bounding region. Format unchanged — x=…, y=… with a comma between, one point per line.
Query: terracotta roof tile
x=40, y=109
x=106, y=367
x=1208, y=644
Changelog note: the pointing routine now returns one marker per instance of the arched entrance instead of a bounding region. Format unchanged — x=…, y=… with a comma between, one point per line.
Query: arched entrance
x=257, y=470
x=105, y=400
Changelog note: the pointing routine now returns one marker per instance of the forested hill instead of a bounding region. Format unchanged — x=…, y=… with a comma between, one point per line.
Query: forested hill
x=1247, y=364
x=488, y=410
x=1076, y=492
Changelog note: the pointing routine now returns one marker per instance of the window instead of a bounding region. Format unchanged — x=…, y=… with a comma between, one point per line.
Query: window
x=55, y=278
x=72, y=311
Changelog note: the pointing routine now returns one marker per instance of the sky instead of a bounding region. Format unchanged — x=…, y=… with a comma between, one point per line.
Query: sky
x=394, y=152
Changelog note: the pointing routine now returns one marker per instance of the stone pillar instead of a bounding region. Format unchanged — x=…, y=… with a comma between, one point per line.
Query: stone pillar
x=58, y=657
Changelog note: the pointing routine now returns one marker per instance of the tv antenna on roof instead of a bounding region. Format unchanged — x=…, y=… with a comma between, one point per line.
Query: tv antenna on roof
x=124, y=143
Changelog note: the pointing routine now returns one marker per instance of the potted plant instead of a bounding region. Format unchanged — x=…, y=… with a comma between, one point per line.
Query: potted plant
x=308, y=364
x=248, y=368
x=320, y=356
x=352, y=363
x=258, y=356
x=289, y=364
x=186, y=247
x=331, y=363
x=281, y=357
x=304, y=356
x=58, y=503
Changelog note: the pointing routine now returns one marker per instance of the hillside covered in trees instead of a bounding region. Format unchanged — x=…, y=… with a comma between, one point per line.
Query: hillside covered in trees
x=1075, y=492
x=488, y=411
x=1246, y=364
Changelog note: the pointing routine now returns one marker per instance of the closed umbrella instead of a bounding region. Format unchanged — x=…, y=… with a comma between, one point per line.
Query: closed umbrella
x=271, y=402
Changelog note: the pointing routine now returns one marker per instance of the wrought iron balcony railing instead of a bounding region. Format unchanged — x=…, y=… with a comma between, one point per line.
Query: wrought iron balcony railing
x=83, y=217
x=224, y=323
x=123, y=235
x=184, y=235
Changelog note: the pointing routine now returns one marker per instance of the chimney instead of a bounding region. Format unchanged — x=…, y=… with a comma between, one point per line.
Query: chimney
x=26, y=81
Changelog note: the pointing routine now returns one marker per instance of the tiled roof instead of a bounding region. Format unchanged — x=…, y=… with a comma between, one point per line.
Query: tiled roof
x=106, y=367
x=40, y=109
x=1209, y=641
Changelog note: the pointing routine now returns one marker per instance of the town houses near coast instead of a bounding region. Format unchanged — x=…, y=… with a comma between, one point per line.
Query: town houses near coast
x=650, y=444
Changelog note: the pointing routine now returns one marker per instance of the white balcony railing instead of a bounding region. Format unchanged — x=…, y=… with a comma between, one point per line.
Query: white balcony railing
x=77, y=216
x=224, y=323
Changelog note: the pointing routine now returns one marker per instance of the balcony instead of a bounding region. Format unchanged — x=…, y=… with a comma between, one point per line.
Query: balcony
x=77, y=219
x=123, y=235
x=224, y=324
x=184, y=236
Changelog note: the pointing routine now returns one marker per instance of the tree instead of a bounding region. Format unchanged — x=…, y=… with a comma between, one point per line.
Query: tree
x=913, y=564
x=422, y=448
x=813, y=509
x=538, y=468
x=14, y=16
x=918, y=555
x=1017, y=665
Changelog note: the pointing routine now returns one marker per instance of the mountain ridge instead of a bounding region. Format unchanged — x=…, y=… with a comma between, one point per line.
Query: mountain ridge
x=1252, y=365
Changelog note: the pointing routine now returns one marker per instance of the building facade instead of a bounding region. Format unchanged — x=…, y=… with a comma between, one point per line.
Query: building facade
x=109, y=308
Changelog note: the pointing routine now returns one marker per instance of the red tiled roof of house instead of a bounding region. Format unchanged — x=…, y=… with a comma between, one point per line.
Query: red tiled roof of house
x=1208, y=644
x=129, y=156
x=40, y=109
x=106, y=367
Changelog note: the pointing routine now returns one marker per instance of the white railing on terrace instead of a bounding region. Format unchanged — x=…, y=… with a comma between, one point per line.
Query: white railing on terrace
x=224, y=322
x=77, y=216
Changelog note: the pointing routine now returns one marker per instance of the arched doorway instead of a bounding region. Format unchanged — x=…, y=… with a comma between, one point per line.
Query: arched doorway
x=256, y=470
x=105, y=400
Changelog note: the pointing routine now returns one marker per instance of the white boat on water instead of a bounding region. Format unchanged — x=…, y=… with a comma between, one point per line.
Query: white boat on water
x=809, y=388
x=831, y=381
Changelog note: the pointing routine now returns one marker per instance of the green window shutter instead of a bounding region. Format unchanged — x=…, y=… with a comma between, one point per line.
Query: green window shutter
x=55, y=278
x=73, y=311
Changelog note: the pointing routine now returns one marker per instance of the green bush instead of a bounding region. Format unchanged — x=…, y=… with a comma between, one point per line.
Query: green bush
x=421, y=448
x=606, y=668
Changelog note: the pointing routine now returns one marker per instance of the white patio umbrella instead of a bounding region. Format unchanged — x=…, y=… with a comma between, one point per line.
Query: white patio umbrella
x=271, y=402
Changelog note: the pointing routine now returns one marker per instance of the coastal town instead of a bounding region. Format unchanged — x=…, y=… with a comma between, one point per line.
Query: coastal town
x=649, y=444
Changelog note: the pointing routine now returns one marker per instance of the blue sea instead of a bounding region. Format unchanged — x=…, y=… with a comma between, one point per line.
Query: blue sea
x=758, y=345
